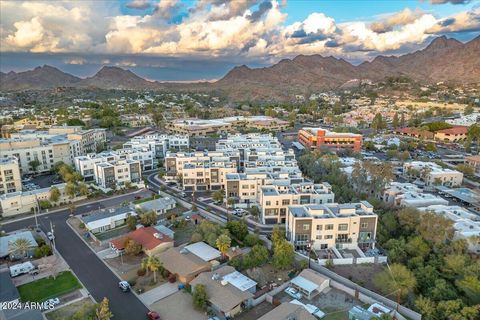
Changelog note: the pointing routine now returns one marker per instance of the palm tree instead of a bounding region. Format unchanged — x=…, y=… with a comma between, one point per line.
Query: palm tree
x=152, y=264
x=20, y=245
x=223, y=243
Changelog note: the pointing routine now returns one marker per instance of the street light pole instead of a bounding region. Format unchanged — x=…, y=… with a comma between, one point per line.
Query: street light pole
x=53, y=236
x=35, y=212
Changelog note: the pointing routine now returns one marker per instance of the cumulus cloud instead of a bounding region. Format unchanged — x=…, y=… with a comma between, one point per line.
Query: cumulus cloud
x=252, y=29
x=139, y=4
x=395, y=20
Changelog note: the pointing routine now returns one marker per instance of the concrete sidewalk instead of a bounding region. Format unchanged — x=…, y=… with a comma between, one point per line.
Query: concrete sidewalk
x=160, y=292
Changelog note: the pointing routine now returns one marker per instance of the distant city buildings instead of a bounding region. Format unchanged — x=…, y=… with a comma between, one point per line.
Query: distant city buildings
x=200, y=127
x=159, y=143
x=465, y=120
x=316, y=138
x=431, y=174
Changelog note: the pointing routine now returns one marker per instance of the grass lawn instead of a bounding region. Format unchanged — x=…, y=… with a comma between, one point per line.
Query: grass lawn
x=46, y=288
x=147, y=199
x=81, y=310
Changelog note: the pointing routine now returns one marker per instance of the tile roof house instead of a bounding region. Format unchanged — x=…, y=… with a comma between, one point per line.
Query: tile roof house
x=106, y=219
x=184, y=264
x=228, y=291
x=152, y=241
x=6, y=248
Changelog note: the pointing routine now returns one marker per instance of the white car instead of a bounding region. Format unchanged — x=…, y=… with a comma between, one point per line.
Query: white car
x=292, y=292
x=238, y=212
x=50, y=236
x=53, y=302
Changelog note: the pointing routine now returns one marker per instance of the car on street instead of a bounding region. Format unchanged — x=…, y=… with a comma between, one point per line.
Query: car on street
x=238, y=212
x=292, y=292
x=153, y=315
x=50, y=236
x=171, y=184
x=124, y=286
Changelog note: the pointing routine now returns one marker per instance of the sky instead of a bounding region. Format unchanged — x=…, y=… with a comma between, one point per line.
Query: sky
x=191, y=40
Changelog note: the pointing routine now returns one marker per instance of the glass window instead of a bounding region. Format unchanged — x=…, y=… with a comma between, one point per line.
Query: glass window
x=329, y=227
x=343, y=227
x=306, y=227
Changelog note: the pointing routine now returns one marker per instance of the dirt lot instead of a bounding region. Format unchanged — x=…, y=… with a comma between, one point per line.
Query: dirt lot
x=256, y=312
x=267, y=274
x=178, y=306
x=361, y=273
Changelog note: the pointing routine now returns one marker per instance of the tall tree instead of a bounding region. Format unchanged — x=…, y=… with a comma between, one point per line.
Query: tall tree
x=34, y=164
x=283, y=255
x=396, y=279
x=395, y=120
x=103, y=310
x=200, y=298
x=223, y=243
x=54, y=194
x=20, y=245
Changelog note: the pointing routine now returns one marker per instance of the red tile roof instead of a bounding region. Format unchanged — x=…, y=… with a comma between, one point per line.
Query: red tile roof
x=144, y=236
x=454, y=130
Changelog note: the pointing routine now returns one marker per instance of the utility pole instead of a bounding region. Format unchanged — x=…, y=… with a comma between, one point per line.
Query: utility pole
x=35, y=209
x=53, y=236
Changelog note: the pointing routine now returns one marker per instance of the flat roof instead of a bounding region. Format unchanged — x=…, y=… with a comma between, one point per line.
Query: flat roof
x=305, y=284
x=240, y=281
x=203, y=251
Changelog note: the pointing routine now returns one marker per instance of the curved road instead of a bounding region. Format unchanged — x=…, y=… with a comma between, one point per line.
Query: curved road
x=99, y=280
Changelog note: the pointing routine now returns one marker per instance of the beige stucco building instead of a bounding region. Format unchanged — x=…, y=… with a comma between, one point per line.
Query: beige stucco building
x=10, y=178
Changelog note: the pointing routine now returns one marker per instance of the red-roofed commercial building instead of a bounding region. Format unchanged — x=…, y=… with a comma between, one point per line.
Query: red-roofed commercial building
x=454, y=134
x=315, y=138
x=415, y=133
x=151, y=240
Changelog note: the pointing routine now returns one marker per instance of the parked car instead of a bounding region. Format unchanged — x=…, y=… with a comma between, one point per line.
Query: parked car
x=50, y=236
x=53, y=301
x=153, y=315
x=124, y=286
x=34, y=272
x=292, y=292
x=171, y=184
x=238, y=212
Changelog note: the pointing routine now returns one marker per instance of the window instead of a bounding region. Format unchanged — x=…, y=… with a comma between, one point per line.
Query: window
x=364, y=225
x=329, y=236
x=319, y=227
x=318, y=237
x=324, y=246
x=301, y=237
x=329, y=227
x=342, y=227
x=285, y=202
x=306, y=227
x=268, y=203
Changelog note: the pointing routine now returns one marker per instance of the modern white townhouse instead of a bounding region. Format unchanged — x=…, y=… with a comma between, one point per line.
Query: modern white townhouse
x=465, y=223
x=10, y=178
x=85, y=165
x=431, y=174
x=159, y=143
x=400, y=194
x=275, y=198
x=117, y=173
x=325, y=226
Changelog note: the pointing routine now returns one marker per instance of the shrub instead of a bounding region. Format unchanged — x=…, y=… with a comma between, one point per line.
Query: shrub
x=172, y=278
x=141, y=272
x=82, y=226
x=132, y=283
x=43, y=251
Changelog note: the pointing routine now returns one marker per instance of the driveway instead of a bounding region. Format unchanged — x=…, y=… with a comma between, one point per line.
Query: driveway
x=91, y=271
x=159, y=293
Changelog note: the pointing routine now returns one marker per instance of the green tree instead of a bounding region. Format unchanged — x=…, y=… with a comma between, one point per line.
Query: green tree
x=278, y=235
x=70, y=190
x=251, y=240
x=152, y=264
x=223, y=243
x=378, y=123
x=256, y=257
x=83, y=189
x=148, y=218
x=54, y=194
x=218, y=196
x=200, y=299
x=238, y=228
x=132, y=248
x=131, y=222
x=34, y=164
x=396, y=279
x=283, y=255
x=395, y=120
x=468, y=110
x=230, y=202
x=20, y=245
x=103, y=310
x=255, y=211
x=466, y=169
x=71, y=208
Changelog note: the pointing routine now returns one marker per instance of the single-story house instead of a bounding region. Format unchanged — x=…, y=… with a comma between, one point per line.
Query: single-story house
x=184, y=264
x=288, y=311
x=152, y=241
x=203, y=251
x=160, y=206
x=8, y=250
x=167, y=231
x=373, y=312
x=107, y=219
x=228, y=291
x=310, y=283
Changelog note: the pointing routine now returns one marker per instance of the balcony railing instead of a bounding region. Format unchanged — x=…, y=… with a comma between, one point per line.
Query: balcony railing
x=341, y=240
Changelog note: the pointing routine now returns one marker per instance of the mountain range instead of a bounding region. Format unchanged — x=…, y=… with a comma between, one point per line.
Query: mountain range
x=442, y=60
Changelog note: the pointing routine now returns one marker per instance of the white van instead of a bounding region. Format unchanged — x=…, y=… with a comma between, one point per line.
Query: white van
x=21, y=268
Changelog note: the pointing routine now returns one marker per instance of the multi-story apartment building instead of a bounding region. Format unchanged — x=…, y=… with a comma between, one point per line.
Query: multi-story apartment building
x=316, y=138
x=85, y=165
x=46, y=151
x=274, y=199
x=325, y=226
x=432, y=174
x=201, y=170
x=10, y=178
x=474, y=161
x=159, y=143
x=117, y=173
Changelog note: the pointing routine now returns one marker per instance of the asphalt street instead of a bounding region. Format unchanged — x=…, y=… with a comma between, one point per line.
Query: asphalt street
x=91, y=271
